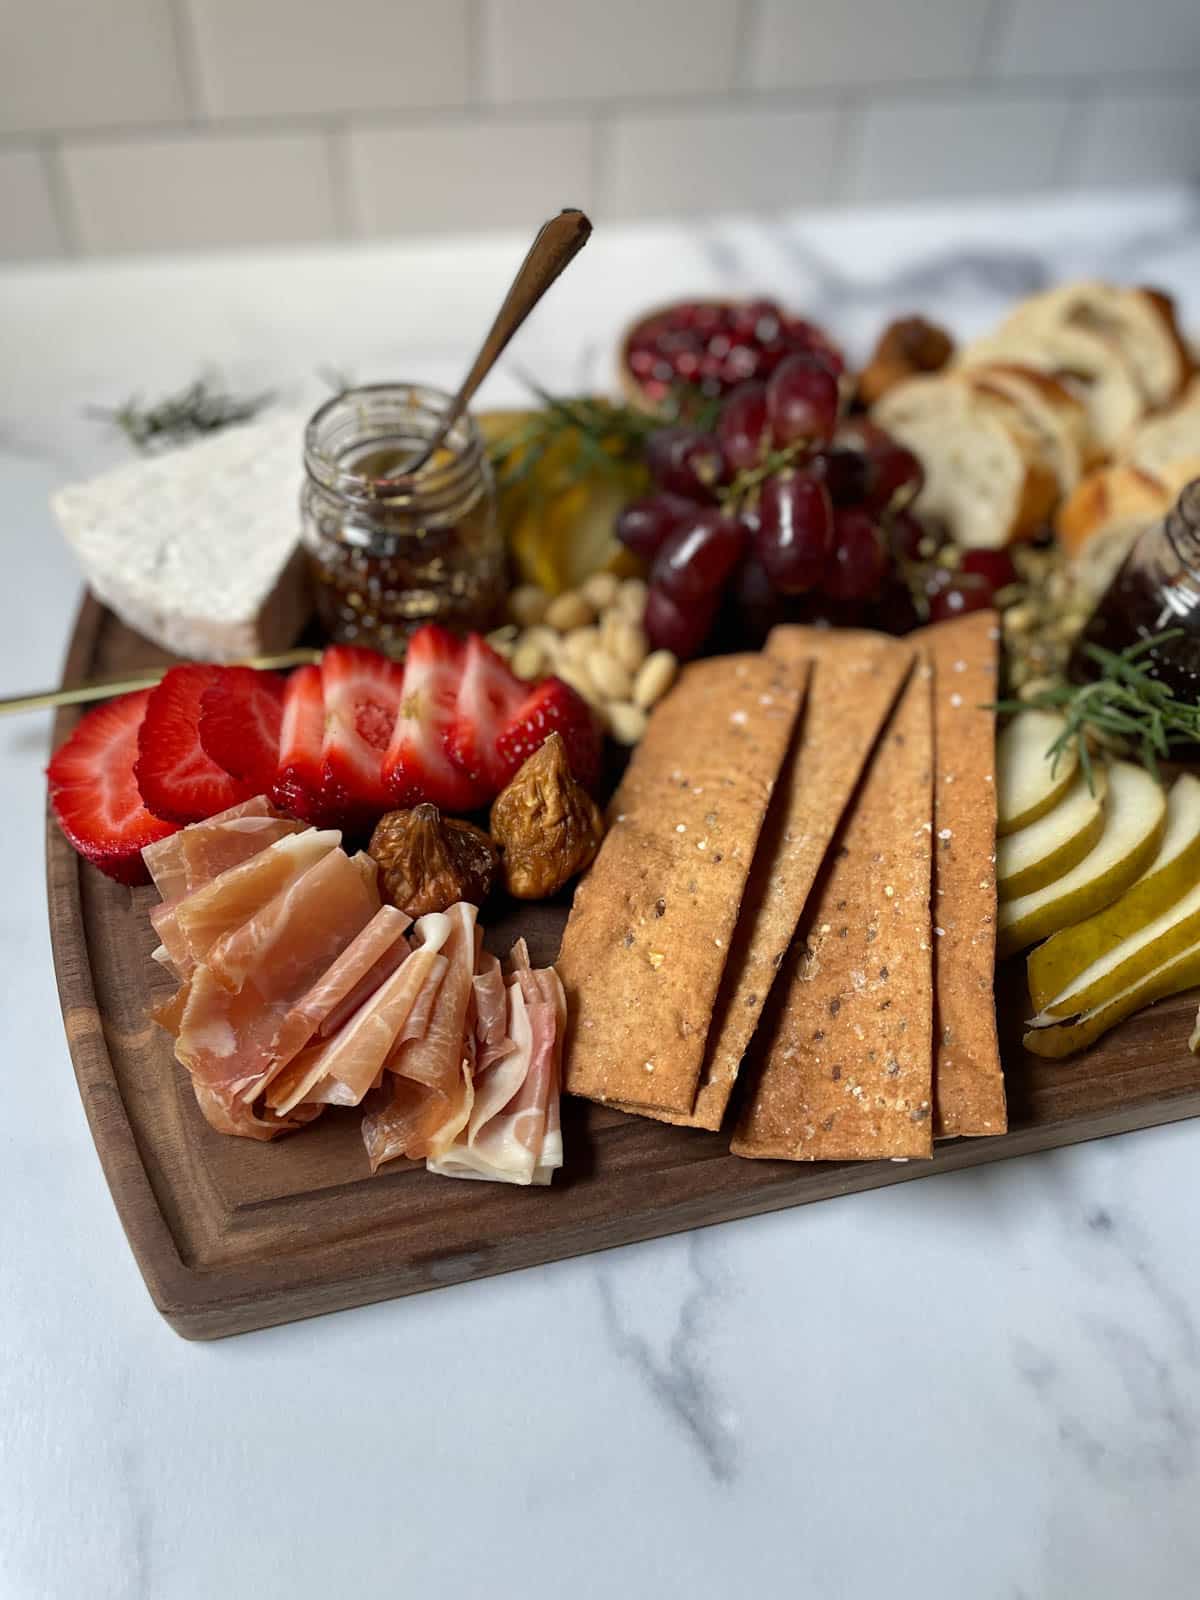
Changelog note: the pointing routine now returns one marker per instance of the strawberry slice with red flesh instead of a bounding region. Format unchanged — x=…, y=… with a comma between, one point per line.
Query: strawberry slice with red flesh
x=489, y=696
x=551, y=707
x=418, y=765
x=362, y=691
x=298, y=784
x=177, y=779
x=240, y=718
x=95, y=794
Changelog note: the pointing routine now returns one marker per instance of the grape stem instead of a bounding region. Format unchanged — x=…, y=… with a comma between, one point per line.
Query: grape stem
x=734, y=495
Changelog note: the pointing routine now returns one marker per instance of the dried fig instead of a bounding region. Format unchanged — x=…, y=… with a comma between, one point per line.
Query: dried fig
x=906, y=348
x=427, y=862
x=547, y=825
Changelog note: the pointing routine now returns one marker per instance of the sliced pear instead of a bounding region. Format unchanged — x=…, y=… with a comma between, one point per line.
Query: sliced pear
x=1036, y=855
x=1134, y=818
x=1057, y=1039
x=1059, y=962
x=1028, y=781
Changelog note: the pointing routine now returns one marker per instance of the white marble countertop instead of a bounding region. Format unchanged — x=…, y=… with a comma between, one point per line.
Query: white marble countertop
x=985, y=1384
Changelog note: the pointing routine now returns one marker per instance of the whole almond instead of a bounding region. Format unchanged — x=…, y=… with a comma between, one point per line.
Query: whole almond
x=549, y=642
x=579, y=644
x=657, y=674
x=527, y=604
x=529, y=659
x=574, y=674
x=569, y=611
x=600, y=590
x=626, y=722
x=609, y=676
x=632, y=599
x=627, y=641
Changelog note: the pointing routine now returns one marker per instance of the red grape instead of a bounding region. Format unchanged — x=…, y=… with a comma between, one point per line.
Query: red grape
x=717, y=345
x=802, y=400
x=695, y=560
x=685, y=462
x=678, y=626
x=953, y=594
x=906, y=534
x=995, y=567
x=795, y=533
x=860, y=560
x=847, y=474
x=644, y=524
x=742, y=426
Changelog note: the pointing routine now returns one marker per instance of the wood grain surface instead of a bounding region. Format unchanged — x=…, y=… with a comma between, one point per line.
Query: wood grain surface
x=231, y=1235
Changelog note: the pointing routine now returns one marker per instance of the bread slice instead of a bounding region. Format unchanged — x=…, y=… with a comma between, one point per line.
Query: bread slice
x=1140, y=321
x=1099, y=522
x=1161, y=441
x=1049, y=409
x=988, y=477
x=1091, y=365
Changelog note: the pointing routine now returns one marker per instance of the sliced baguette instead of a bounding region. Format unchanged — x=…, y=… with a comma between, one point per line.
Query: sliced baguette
x=1098, y=523
x=1140, y=321
x=988, y=477
x=1089, y=364
x=1048, y=409
x=1163, y=440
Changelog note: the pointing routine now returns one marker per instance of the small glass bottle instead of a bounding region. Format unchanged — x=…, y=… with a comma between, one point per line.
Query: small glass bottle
x=389, y=550
x=1157, y=588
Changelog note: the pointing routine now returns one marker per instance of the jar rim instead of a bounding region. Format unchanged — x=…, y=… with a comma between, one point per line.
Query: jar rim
x=421, y=408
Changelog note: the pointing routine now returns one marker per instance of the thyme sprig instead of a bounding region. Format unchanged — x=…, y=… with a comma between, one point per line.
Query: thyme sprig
x=200, y=408
x=1126, y=703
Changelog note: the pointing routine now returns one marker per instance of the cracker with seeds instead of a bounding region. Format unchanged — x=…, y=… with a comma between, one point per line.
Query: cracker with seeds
x=968, y=1081
x=650, y=927
x=848, y=1072
x=855, y=677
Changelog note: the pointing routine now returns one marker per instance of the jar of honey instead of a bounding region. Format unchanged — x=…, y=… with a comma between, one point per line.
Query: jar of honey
x=388, y=548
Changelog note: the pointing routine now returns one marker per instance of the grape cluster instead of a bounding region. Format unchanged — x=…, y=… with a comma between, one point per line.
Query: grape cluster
x=786, y=511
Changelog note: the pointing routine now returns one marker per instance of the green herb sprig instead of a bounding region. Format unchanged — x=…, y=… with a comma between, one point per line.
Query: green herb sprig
x=202, y=407
x=1126, y=702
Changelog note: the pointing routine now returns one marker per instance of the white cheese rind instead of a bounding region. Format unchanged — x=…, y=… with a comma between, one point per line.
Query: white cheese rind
x=198, y=549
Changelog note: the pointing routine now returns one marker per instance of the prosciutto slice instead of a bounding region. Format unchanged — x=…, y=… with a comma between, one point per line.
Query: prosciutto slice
x=206, y=849
x=427, y=1091
x=246, y=1123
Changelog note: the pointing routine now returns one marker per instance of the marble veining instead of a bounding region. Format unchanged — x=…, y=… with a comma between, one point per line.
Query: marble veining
x=986, y=1383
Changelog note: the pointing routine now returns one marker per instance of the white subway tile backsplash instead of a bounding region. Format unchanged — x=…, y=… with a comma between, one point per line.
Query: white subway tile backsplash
x=445, y=178
x=1081, y=37
x=28, y=227
x=595, y=49
x=1143, y=138
x=196, y=191
x=83, y=63
x=815, y=43
x=269, y=57
x=965, y=145
x=721, y=161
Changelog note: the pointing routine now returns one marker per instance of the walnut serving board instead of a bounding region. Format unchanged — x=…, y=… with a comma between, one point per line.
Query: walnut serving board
x=233, y=1235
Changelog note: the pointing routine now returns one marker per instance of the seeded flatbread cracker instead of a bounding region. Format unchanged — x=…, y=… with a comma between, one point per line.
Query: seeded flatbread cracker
x=968, y=1081
x=847, y=1075
x=854, y=682
x=649, y=931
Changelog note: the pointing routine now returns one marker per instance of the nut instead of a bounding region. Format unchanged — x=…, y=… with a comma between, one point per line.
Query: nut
x=547, y=825
x=428, y=862
x=607, y=673
x=527, y=604
x=575, y=675
x=658, y=673
x=549, y=641
x=568, y=611
x=632, y=599
x=626, y=722
x=626, y=640
x=600, y=590
x=529, y=658
x=578, y=646
x=906, y=347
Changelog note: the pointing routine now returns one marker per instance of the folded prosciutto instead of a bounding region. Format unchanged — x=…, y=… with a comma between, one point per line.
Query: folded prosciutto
x=300, y=990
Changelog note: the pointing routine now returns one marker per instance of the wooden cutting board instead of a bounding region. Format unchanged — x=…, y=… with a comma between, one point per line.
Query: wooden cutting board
x=232, y=1235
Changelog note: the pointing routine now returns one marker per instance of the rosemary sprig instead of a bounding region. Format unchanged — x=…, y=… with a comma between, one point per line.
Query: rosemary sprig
x=202, y=407
x=1125, y=702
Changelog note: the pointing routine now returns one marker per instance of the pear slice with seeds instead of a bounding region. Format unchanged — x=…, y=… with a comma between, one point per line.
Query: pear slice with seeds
x=1028, y=781
x=1134, y=818
x=1053, y=966
x=1036, y=855
x=1055, y=1039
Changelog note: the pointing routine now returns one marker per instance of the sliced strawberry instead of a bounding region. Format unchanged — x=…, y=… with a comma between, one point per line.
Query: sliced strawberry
x=95, y=794
x=298, y=784
x=362, y=690
x=240, y=717
x=418, y=765
x=551, y=707
x=178, y=781
x=489, y=695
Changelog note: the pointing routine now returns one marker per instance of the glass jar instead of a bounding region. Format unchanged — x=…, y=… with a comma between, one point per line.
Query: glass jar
x=389, y=550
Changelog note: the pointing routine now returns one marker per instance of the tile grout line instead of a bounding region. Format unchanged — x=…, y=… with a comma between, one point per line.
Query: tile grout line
x=476, y=75
x=848, y=138
x=66, y=215
x=1068, y=158
x=749, y=20
x=601, y=165
x=187, y=56
x=997, y=18
x=337, y=159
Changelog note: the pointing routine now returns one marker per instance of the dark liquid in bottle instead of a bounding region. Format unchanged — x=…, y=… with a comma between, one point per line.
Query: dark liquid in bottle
x=1156, y=589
